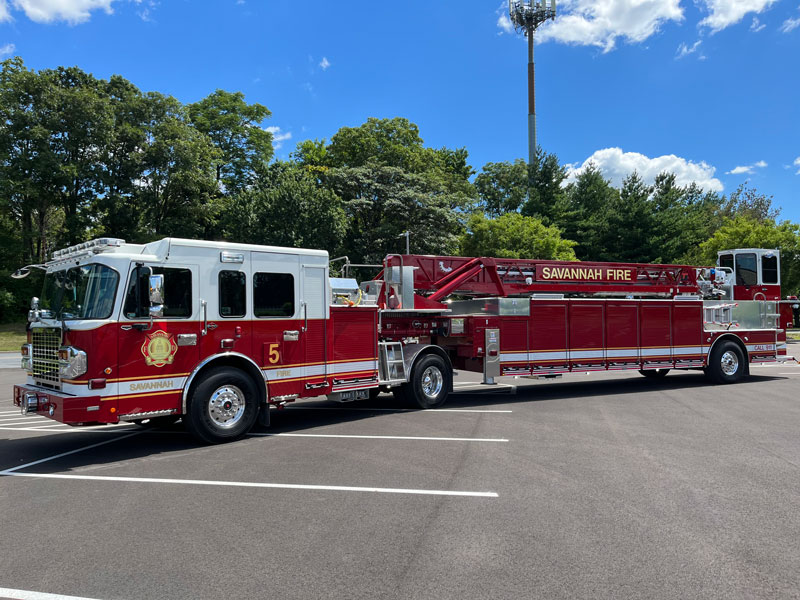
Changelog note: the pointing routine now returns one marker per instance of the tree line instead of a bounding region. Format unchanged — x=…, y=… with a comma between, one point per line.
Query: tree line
x=82, y=157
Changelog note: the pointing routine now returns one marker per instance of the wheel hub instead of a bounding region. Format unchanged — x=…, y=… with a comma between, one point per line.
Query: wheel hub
x=226, y=406
x=432, y=382
x=729, y=363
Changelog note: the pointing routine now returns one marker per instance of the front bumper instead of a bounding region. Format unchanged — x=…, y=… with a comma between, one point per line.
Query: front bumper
x=72, y=410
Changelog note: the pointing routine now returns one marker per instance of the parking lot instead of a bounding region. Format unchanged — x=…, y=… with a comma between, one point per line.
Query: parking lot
x=607, y=485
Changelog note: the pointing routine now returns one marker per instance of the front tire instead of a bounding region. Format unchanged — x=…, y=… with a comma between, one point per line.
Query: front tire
x=430, y=383
x=223, y=406
x=726, y=364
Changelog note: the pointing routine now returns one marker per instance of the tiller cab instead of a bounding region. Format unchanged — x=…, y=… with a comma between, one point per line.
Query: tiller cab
x=214, y=333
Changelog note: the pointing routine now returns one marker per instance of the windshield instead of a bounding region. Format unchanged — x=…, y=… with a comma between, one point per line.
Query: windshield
x=85, y=292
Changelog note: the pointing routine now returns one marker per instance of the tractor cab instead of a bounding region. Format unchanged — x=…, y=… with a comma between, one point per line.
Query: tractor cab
x=751, y=273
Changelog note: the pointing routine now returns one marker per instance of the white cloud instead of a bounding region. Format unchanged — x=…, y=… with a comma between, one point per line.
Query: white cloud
x=756, y=25
x=7, y=50
x=5, y=14
x=797, y=164
x=602, y=22
x=748, y=169
x=723, y=13
x=278, y=136
x=790, y=25
x=503, y=21
x=684, y=50
x=325, y=63
x=616, y=165
x=71, y=11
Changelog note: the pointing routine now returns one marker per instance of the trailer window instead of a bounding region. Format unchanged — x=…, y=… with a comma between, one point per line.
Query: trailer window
x=232, y=294
x=746, y=269
x=273, y=295
x=726, y=260
x=769, y=269
x=177, y=294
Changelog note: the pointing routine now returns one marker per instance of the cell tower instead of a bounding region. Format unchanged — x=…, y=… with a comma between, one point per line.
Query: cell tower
x=526, y=17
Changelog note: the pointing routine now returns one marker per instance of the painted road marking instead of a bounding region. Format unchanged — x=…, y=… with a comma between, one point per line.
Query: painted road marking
x=416, y=410
x=22, y=420
x=379, y=437
x=81, y=449
x=28, y=595
x=253, y=484
x=75, y=430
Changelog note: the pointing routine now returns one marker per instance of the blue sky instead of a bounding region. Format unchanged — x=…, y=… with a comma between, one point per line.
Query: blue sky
x=709, y=89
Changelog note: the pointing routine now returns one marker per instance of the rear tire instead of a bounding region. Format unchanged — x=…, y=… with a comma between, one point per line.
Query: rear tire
x=726, y=364
x=430, y=383
x=654, y=373
x=223, y=406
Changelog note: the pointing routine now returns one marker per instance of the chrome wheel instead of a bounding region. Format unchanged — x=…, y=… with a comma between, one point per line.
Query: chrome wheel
x=432, y=382
x=729, y=363
x=226, y=406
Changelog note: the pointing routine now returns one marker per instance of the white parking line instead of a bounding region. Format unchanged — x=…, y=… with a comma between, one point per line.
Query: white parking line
x=27, y=595
x=379, y=437
x=416, y=410
x=81, y=449
x=256, y=484
x=68, y=429
x=21, y=420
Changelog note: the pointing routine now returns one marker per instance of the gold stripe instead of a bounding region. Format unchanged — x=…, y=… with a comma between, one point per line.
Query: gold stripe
x=126, y=396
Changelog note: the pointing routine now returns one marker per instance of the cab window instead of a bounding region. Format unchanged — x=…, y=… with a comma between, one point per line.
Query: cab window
x=273, y=295
x=177, y=294
x=746, y=269
x=232, y=301
x=769, y=269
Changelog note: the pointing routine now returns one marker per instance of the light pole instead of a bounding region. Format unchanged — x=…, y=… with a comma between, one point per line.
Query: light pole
x=526, y=16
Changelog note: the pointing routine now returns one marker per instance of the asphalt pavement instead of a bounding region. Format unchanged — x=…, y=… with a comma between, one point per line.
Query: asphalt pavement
x=607, y=485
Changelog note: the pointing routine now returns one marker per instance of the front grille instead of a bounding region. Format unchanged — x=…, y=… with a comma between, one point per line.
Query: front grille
x=46, y=342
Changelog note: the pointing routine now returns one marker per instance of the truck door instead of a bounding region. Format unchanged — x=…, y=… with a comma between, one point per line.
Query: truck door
x=315, y=325
x=228, y=308
x=155, y=359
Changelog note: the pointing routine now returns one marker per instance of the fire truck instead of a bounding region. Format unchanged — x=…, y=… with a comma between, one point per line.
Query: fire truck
x=215, y=333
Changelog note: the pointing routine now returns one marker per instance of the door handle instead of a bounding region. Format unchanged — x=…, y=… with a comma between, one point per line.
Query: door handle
x=291, y=336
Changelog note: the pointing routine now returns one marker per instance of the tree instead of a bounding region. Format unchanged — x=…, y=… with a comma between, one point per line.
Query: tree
x=746, y=232
x=234, y=127
x=287, y=194
x=585, y=218
x=177, y=190
x=514, y=236
x=502, y=187
x=547, y=199
x=748, y=202
x=382, y=202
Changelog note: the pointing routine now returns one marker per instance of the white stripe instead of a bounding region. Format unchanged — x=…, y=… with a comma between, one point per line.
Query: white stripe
x=10, y=412
x=49, y=458
x=364, y=365
x=26, y=595
x=22, y=420
x=379, y=437
x=547, y=355
x=623, y=353
x=253, y=484
x=575, y=354
x=416, y=410
x=513, y=356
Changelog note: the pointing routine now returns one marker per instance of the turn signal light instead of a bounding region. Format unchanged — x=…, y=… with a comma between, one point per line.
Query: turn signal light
x=25, y=350
x=63, y=354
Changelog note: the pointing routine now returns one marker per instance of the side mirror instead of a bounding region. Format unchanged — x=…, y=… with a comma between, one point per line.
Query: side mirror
x=156, y=296
x=156, y=289
x=34, y=303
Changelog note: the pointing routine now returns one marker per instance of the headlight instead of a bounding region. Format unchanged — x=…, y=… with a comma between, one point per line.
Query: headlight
x=72, y=362
x=27, y=356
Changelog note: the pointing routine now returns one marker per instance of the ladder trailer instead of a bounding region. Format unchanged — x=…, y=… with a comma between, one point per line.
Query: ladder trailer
x=215, y=333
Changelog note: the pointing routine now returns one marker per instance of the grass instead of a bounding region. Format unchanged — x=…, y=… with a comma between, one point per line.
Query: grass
x=12, y=336
x=793, y=335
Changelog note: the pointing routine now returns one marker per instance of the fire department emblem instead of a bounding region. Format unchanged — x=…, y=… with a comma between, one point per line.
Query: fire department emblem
x=159, y=348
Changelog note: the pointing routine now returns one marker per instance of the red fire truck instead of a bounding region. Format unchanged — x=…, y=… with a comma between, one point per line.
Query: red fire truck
x=214, y=333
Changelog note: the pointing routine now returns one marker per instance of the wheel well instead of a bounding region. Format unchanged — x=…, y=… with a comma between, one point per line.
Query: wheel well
x=427, y=350
x=738, y=341
x=233, y=361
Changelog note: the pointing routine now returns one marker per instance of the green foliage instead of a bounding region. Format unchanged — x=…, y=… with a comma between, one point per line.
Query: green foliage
x=234, y=127
x=746, y=232
x=287, y=194
x=382, y=202
x=514, y=236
